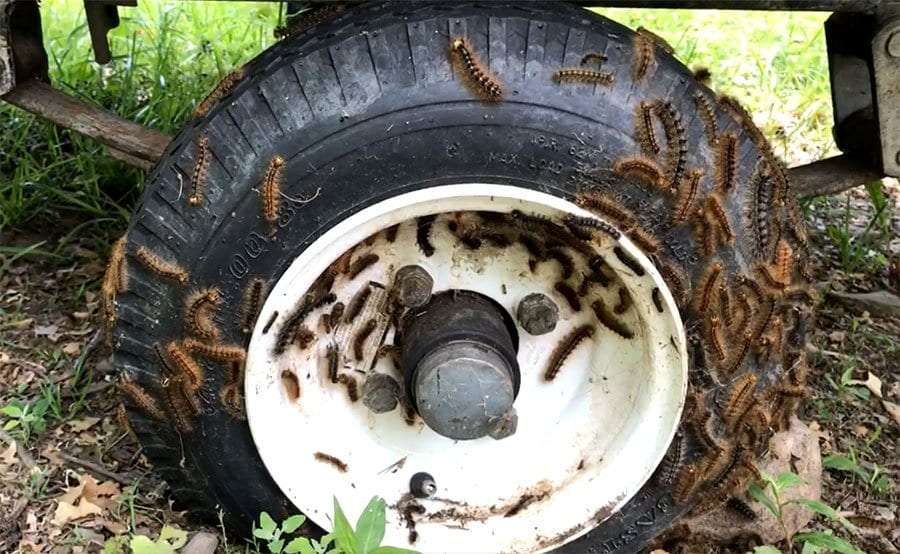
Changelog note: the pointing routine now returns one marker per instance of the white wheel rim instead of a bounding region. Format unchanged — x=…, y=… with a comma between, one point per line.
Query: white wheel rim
x=586, y=442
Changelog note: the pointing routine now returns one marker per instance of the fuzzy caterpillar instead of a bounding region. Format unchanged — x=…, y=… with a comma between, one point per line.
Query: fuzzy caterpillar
x=565, y=348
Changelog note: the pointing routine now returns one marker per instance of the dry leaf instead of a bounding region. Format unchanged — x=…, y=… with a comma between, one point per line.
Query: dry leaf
x=893, y=409
x=83, y=424
x=872, y=382
x=88, y=498
x=8, y=457
x=71, y=348
x=21, y=324
x=49, y=331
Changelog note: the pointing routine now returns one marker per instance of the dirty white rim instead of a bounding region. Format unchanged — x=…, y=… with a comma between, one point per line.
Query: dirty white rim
x=586, y=442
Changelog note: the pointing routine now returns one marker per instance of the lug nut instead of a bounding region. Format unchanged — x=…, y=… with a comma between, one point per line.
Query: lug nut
x=537, y=314
x=381, y=393
x=422, y=485
x=413, y=286
x=506, y=426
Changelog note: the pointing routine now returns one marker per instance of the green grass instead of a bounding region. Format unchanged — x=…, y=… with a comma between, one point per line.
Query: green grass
x=168, y=55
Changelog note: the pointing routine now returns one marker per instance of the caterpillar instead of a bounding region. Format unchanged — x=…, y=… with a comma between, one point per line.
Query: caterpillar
x=356, y=304
x=232, y=400
x=349, y=383
x=292, y=329
x=656, y=39
x=179, y=406
x=269, y=323
x=333, y=319
x=685, y=484
x=703, y=74
x=199, y=309
x=587, y=223
x=331, y=460
x=714, y=337
x=697, y=418
x=609, y=320
x=741, y=508
x=271, y=188
x=624, y=302
x=569, y=294
x=141, y=400
x=303, y=337
x=687, y=196
x=331, y=359
x=644, y=129
x=760, y=208
x=644, y=240
x=291, y=385
x=739, y=399
x=755, y=426
x=534, y=247
x=200, y=172
x=223, y=89
x=423, y=234
x=752, y=286
x=644, y=55
x=498, y=239
x=674, y=460
x=641, y=169
x=565, y=348
x=725, y=308
x=390, y=234
x=714, y=206
x=565, y=261
x=159, y=266
x=251, y=302
x=726, y=162
x=676, y=142
x=361, y=264
x=784, y=258
x=185, y=365
x=216, y=352
x=708, y=115
x=578, y=75
x=556, y=233
x=359, y=340
x=479, y=78
x=594, y=57
x=770, y=278
x=704, y=232
x=628, y=261
x=605, y=206
x=656, y=296
x=115, y=280
x=676, y=279
x=709, y=280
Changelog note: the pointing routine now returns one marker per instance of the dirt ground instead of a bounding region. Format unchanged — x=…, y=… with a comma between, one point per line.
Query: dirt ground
x=75, y=477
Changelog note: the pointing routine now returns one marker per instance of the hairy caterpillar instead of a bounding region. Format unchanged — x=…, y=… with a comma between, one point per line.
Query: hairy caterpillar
x=271, y=188
x=216, y=352
x=331, y=361
x=303, y=337
x=179, y=405
x=498, y=239
x=710, y=278
x=578, y=75
x=569, y=294
x=656, y=39
x=725, y=308
x=565, y=261
x=605, y=206
x=291, y=385
x=333, y=319
x=390, y=234
x=784, y=258
x=477, y=76
x=739, y=399
x=644, y=240
x=141, y=400
x=641, y=169
x=293, y=330
x=185, y=365
x=359, y=340
x=115, y=281
x=702, y=74
x=741, y=508
x=644, y=55
x=760, y=208
x=232, y=399
x=331, y=460
x=644, y=129
x=673, y=461
x=714, y=337
x=534, y=247
x=704, y=232
x=557, y=235
x=687, y=196
x=624, y=302
x=752, y=286
x=656, y=296
x=676, y=142
x=609, y=320
x=159, y=266
x=349, y=383
x=590, y=224
x=735, y=364
x=199, y=309
x=223, y=89
x=565, y=348
x=360, y=264
x=676, y=279
x=770, y=278
x=714, y=206
x=200, y=172
x=697, y=418
x=251, y=302
x=628, y=261
x=356, y=303
x=708, y=115
x=423, y=234
x=726, y=162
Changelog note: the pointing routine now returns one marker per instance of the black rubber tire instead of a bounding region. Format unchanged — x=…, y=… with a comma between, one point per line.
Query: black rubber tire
x=366, y=106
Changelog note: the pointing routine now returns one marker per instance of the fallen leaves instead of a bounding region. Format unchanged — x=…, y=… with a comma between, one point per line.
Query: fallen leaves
x=88, y=498
x=872, y=382
x=893, y=409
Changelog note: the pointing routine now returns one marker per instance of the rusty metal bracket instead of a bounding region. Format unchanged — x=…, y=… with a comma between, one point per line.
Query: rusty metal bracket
x=126, y=140
x=103, y=15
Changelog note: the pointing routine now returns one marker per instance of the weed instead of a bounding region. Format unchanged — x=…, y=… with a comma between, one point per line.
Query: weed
x=26, y=419
x=768, y=492
x=864, y=249
x=875, y=478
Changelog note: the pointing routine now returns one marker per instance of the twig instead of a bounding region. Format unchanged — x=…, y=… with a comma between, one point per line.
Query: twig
x=23, y=454
x=96, y=468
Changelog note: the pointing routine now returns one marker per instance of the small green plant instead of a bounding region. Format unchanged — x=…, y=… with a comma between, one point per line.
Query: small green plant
x=24, y=419
x=344, y=539
x=768, y=492
x=845, y=385
x=876, y=479
x=854, y=250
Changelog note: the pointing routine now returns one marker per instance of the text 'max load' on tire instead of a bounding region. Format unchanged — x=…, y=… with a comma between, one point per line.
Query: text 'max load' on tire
x=513, y=248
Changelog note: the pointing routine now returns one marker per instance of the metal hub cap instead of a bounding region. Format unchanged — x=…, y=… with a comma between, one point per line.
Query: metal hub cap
x=470, y=314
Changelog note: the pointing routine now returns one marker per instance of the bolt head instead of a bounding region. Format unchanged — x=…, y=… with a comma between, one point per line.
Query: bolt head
x=413, y=286
x=506, y=426
x=381, y=393
x=537, y=314
x=422, y=485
